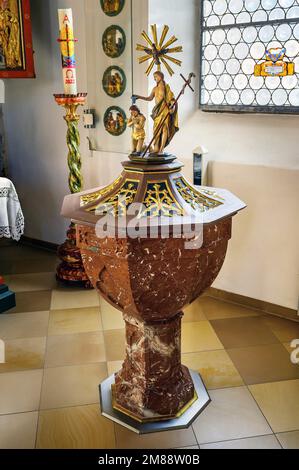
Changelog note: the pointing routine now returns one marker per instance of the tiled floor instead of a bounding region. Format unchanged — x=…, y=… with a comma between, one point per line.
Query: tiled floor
x=61, y=343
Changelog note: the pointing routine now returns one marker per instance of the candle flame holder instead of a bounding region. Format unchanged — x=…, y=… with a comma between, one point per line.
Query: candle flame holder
x=71, y=271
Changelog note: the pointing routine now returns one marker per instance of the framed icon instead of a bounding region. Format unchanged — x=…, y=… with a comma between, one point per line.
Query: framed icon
x=114, y=81
x=112, y=7
x=114, y=41
x=115, y=121
x=16, y=52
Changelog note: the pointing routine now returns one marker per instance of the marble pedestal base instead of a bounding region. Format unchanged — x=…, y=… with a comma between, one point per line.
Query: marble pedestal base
x=183, y=421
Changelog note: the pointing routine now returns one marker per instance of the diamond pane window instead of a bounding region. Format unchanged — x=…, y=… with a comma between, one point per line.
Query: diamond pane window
x=235, y=37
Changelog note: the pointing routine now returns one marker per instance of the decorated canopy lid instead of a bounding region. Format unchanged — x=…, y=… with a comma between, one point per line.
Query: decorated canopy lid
x=156, y=191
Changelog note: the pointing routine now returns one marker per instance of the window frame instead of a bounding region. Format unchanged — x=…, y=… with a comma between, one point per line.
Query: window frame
x=238, y=108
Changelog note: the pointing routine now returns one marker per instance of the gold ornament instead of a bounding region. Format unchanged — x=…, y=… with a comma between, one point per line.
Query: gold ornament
x=160, y=202
x=157, y=50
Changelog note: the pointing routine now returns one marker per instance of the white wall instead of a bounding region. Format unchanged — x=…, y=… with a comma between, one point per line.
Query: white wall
x=263, y=257
x=103, y=166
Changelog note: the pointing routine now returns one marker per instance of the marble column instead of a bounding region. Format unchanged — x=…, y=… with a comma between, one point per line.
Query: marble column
x=152, y=381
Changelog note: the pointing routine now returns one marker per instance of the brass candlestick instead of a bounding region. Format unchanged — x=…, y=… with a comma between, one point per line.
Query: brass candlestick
x=71, y=271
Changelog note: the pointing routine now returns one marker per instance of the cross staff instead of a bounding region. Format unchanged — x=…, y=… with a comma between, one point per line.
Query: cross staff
x=187, y=84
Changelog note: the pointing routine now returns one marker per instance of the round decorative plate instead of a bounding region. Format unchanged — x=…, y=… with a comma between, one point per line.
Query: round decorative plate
x=114, y=81
x=114, y=41
x=115, y=121
x=112, y=7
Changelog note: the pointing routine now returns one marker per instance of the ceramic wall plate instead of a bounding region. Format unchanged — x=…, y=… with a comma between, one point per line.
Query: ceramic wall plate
x=114, y=41
x=112, y=7
x=114, y=81
x=115, y=121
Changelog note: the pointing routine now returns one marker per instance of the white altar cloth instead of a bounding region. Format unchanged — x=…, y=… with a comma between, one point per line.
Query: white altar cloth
x=11, y=215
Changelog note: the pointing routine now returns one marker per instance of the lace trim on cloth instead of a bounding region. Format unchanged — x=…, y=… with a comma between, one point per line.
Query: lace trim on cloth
x=9, y=192
x=16, y=231
x=4, y=192
x=11, y=215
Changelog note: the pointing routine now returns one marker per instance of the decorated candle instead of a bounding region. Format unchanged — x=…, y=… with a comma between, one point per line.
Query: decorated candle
x=67, y=45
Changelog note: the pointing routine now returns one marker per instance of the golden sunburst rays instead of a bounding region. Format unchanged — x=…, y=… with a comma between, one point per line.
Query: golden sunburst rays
x=157, y=50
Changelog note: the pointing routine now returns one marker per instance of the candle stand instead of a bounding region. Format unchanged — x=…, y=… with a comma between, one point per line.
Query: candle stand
x=71, y=270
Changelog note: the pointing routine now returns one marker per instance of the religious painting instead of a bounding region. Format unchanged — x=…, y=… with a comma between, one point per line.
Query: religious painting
x=114, y=41
x=115, y=121
x=112, y=7
x=16, y=52
x=114, y=81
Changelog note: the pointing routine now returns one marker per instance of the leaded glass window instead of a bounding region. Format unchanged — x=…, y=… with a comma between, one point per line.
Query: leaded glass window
x=235, y=36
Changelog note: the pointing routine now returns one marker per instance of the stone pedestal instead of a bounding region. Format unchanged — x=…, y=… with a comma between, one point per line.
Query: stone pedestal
x=151, y=279
x=152, y=382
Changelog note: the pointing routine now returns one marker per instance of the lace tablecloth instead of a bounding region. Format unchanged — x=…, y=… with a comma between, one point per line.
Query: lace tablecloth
x=11, y=215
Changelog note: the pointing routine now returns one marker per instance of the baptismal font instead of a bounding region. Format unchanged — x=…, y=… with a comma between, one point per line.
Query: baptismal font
x=151, y=244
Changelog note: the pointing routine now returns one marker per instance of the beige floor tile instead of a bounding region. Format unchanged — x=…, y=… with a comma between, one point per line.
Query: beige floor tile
x=261, y=442
x=288, y=347
x=7, y=268
x=6, y=242
x=232, y=414
x=289, y=440
x=38, y=301
x=20, y=391
x=112, y=318
x=194, y=312
x=199, y=336
x=82, y=348
x=188, y=448
x=76, y=320
x=18, y=251
x=280, y=404
x=115, y=345
x=23, y=260
x=72, y=385
x=25, y=325
x=37, y=265
x=64, y=298
x=262, y=364
x=242, y=332
x=18, y=431
x=215, y=368
x=215, y=309
x=126, y=439
x=285, y=330
x=293, y=350
x=24, y=354
x=31, y=282
x=114, y=366
x=80, y=427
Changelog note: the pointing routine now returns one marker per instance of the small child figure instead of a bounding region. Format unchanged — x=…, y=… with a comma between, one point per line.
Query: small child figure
x=137, y=122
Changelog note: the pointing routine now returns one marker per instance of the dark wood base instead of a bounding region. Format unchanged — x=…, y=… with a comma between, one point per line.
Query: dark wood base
x=71, y=271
